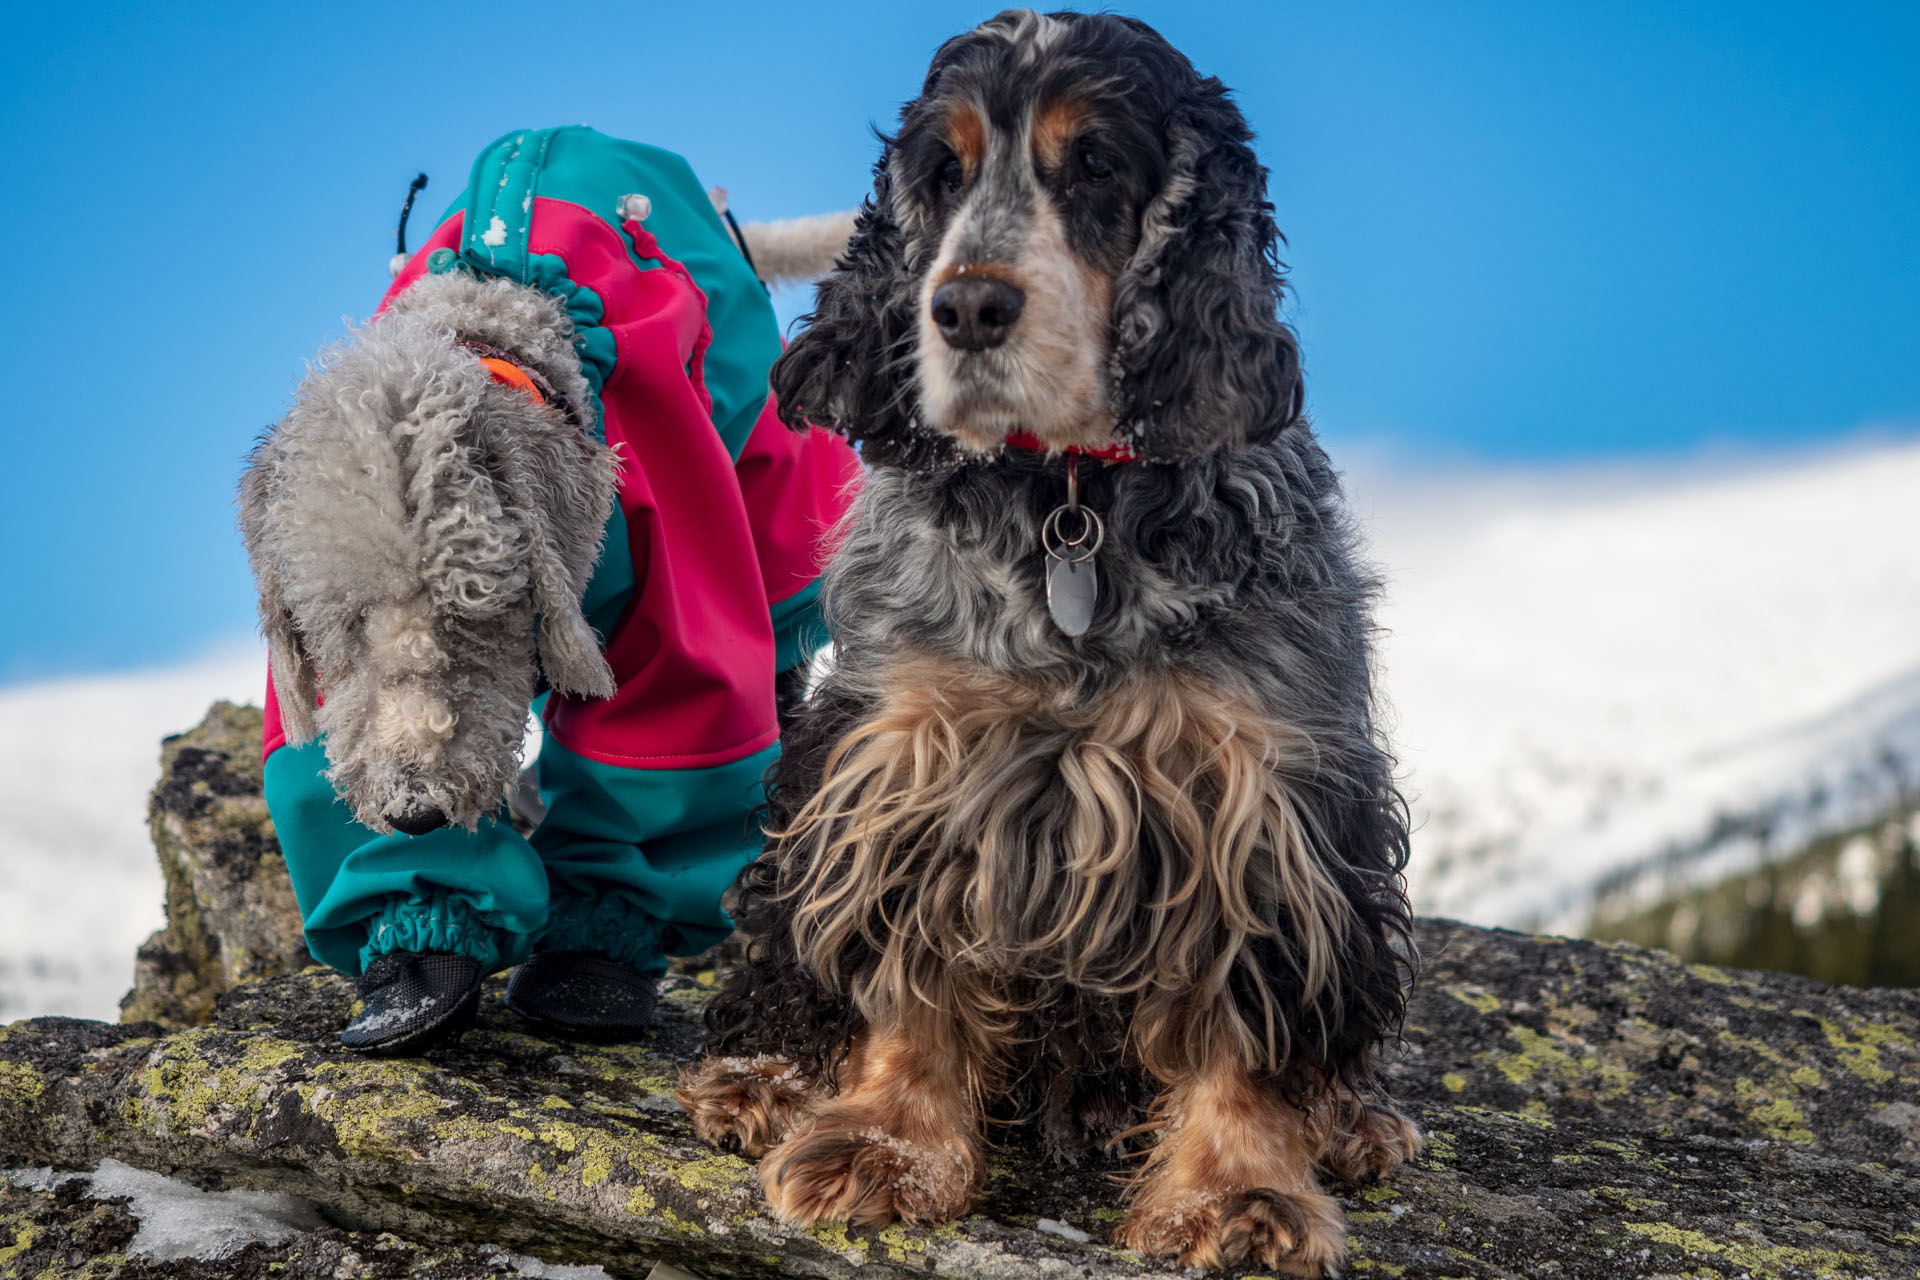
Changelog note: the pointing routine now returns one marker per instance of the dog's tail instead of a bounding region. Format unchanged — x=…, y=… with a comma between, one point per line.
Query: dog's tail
x=791, y=250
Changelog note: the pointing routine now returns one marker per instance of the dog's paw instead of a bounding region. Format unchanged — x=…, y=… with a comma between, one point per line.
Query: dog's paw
x=744, y=1104
x=1371, y=1141
x=1297, y=1235
x=842, y=1173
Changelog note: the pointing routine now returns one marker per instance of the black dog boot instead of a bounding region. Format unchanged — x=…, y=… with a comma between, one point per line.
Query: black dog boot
x=583, y=995
x=413, y=1001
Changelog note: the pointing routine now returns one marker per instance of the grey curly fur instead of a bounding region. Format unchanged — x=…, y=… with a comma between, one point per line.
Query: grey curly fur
x=411, y=523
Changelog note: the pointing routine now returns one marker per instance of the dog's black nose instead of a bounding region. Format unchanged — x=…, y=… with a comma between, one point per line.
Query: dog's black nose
x=974, y=314
x=417, y=822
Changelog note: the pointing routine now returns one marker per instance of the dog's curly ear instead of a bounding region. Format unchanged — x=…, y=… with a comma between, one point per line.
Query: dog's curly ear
x=849, y=370
x=1201, y=357
x=563, y=482
x=294, y=684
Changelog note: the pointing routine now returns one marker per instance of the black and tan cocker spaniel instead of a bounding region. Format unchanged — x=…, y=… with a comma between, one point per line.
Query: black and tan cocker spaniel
x=1091, y=820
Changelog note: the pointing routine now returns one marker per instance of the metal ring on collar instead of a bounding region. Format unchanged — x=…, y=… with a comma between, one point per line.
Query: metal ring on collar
x=1079, y=548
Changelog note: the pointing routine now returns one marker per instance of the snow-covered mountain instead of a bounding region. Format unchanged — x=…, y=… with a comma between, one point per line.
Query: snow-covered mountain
x=1598, y=675
x=1635, y=677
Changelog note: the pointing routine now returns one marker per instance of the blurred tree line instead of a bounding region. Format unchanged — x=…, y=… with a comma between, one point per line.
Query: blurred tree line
x=1845, y=910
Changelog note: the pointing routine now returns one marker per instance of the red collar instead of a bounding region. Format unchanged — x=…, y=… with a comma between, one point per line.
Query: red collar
x=1112, y=453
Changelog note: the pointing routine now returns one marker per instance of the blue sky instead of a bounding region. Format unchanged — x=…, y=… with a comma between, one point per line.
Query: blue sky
x=1520, y=233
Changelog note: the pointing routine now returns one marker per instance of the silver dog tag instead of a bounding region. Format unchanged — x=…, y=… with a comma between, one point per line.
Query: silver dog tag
x=1073, y=587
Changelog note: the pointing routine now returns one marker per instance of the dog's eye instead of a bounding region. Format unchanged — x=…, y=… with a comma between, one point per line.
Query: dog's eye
x=1094, y=166
x=953, y=174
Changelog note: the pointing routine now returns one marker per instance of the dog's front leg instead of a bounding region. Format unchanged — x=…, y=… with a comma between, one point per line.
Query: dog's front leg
x=901, y=1141
x=1231, y=1179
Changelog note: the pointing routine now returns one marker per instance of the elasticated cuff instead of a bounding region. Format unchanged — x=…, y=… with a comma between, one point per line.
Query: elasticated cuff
x=610, y=926
x=432, y=924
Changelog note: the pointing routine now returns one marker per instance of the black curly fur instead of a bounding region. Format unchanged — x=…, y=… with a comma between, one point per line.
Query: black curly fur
x=1229, y=552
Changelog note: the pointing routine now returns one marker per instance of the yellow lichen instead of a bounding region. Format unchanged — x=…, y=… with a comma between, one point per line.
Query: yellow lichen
x=367, y=1103
x=183, y=1089
x=1628, y=1198
x=1861, y=1056
x=834, y=1236
x=562, y=1136
x=23, y=1240
x=714, y=1173
x=679, y=1225
x=596, y=1165
x=1537, y=1052
x=1763, y=1261
x=1454, y=1082
x=1540, y=1053
x=1476, y=999
x=20, y=1083
x=1615, y=1081
x=900, y=1244
x=1777, y=1117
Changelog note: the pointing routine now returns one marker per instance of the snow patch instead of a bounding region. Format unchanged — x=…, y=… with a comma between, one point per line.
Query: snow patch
x=181, y=1221
x=531, y=1266
x=496, y=233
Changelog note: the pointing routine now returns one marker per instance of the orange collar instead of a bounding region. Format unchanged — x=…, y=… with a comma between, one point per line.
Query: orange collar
x=504, y=369
x=513, y=375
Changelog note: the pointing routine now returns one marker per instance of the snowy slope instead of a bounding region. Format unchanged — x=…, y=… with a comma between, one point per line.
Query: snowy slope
x=1596, y=674
x=1636, y=675
x=79, y=887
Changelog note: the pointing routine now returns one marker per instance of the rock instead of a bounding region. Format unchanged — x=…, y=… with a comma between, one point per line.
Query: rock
x=1592, y=1110
x=231, y=914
